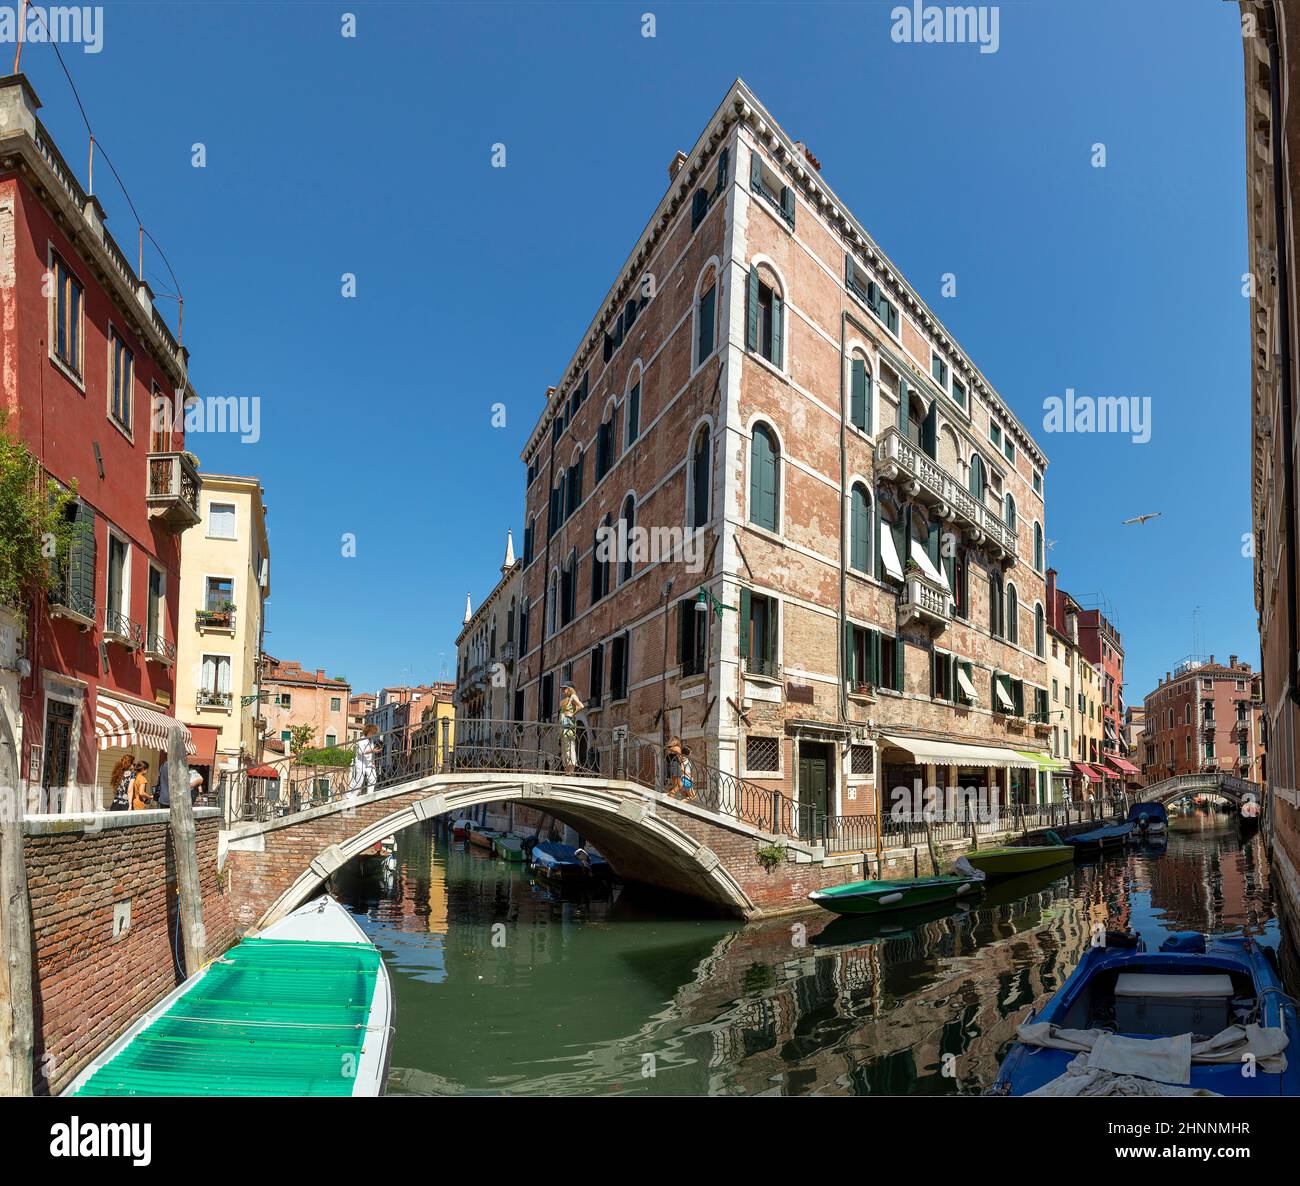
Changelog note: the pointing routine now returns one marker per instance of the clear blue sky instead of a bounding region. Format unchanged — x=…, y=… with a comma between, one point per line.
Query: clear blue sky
x=372, y=155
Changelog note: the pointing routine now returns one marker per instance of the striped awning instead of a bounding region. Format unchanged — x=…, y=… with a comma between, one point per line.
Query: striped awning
x=122, y=724
x=1086, y=771
x=952, y=753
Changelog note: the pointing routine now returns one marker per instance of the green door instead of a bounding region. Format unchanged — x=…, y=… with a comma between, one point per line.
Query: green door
x=814, y=788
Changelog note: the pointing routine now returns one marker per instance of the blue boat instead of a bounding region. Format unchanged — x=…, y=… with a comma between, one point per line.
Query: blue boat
x=596, y=864
x=1101, y=838
x=1147, y=819
x=560, y=861
x=1123, y=997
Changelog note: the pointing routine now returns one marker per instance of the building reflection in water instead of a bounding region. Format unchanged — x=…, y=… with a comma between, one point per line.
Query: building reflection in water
x=503, y=986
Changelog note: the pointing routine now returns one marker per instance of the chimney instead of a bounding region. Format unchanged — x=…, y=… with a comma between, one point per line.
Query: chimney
x=1232, y=660
x=801, y=147
x=675, y=165
x=320, y=673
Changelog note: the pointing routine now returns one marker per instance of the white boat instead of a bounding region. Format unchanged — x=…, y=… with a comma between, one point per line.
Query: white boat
x=302, y=1008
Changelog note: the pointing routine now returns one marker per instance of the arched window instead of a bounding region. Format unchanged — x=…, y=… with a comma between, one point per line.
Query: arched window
x=1013, y=615
x=977, y=476
x=627, y=519
x=552, y=599
x=1040, y=641
x=997, y=605
x=705, y=317
x=860, y=552
x=510, y=622
x=701, y=479
x=1009, y=512
x=765, y=316
x=1038, y=547
x=764, y=477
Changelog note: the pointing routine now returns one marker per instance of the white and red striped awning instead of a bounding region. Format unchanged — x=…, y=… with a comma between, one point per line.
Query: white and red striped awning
x=120, y=723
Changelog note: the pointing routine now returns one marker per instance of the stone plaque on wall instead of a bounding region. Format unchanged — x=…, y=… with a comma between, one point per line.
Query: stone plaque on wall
x=799, y=693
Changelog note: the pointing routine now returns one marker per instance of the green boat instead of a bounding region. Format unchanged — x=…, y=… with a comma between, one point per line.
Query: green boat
x=880, y=897
x=1014, y=860
x=509, y=848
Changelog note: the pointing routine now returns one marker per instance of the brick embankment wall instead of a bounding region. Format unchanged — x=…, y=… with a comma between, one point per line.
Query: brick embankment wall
x=92, y=979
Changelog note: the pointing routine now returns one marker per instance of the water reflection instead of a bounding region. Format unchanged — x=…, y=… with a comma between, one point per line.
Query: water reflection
x=505, y=987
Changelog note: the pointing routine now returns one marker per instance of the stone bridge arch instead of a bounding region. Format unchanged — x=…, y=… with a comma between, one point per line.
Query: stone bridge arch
x=1235, y=790
x=647, y=838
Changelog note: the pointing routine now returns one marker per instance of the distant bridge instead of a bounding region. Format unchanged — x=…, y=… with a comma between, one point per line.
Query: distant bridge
x=1210, y=782
x=285, y=835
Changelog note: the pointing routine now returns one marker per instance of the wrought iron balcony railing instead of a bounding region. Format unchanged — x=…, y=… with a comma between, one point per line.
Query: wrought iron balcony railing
x=766, y=668
x=119, y=628
x=66, y=602
x=173, y=490
x=215, y=619
x=898, y=458
x=210, y=698
x=158, y=647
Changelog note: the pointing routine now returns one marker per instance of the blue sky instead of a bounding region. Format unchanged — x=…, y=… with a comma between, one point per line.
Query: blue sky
x=371, y=155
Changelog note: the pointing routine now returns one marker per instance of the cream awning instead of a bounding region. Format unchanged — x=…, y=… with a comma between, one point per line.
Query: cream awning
x=956, y=753
x=966, y=686
x=888, y=552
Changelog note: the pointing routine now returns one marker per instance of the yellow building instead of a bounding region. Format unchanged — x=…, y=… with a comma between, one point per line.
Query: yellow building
x=225, y=581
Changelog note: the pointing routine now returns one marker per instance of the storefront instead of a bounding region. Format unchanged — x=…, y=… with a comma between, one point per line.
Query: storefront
x=131, y=727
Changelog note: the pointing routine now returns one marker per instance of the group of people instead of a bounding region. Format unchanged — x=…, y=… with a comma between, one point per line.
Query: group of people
x=131, y=789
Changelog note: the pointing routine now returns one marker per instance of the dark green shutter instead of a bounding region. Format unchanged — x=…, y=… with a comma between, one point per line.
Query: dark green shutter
x=932, y=544
x=899, y=530
x=684, y=607
x=744, y=622
x=706, y=324
x=755, y=171
x=787, y=204
x=778, y=326
x=81, y=562
x=859, y=530
x=873, y=657
x=898, y=664
x=858, y=394
x=721, y=183
x=850, y=667
x=875, y=535
x=929, y=430
x=699, y=207
x=902, y=405
x=950, y=571
x=751, y=335
x=1018, y=696
x=773, y=626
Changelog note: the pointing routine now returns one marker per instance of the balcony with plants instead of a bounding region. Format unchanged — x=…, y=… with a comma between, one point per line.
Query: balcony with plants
x=220, y=615
x=172, y=494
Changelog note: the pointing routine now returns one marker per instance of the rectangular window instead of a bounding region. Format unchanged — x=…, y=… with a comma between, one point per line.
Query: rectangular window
x=766, y=316
x=882, y=307
x=121, y=377
x=221, y=520
x=939, y=369
x=861, y=759
x=547, y=701
x=1056, y=690
x=214, y=681
x=604, y=448
x=618, y=664
x=958, y=391
x=119, y=552
x=891, y=663
x=284, y=700
x=1038, y=482
x=762, y=753
x=157, y=602
x=942, y=689
x=67, y=315
x=692, y=636
x=860, y=395
x=336, y=703
x=1009, y=449
x=759, y=622
x=764, y=182
x=219, y=595
x=569, y=591
x=285, y=735
x=597, y=686
x=995, y=433
x=855, y=277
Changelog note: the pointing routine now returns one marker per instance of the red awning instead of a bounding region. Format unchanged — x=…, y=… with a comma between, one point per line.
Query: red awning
x=1123, y=765
x=263, y=772
x=1086, y=771
x=205, y=744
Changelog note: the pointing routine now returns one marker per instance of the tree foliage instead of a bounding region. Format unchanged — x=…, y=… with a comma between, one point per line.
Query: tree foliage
x=35, y=530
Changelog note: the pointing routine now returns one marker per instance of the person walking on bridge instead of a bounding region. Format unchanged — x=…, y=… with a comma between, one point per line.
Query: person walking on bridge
x=570, y=706
x=362, y=775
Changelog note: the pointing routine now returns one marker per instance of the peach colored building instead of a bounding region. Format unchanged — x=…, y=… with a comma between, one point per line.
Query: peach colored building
x=293, y=696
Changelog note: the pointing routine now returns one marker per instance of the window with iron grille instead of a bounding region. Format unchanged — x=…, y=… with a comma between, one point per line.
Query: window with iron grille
x=762, y=753
x=861, y=759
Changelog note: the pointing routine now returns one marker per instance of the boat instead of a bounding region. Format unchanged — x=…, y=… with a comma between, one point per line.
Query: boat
x=1013, y=860
x=856, y=930
x=880, y=897
x=302, y=1008
x=1147, y=819
x=1123, y=1004
x=482, y=837
x=509, y=848
x=560, y=861
x=1104, y=837
x=596, y=864
x=460, y=828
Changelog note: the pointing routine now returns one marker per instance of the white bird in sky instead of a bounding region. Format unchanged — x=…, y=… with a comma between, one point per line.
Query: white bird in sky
x=1142, y=519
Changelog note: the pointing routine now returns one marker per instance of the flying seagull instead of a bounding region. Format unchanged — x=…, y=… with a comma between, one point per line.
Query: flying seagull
x=1142, y=519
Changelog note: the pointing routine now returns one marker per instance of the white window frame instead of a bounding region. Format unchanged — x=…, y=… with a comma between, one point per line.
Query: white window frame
x=234, y=508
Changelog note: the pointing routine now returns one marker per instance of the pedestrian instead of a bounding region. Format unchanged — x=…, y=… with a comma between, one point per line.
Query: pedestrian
x=570, y=706
x=196, y=784
x=141, y=799
x=673, y=767
x=120, y=783
x=687, y=777
x=362, y=776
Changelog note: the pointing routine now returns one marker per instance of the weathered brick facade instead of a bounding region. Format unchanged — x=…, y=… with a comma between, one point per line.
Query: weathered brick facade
x=857, y=385
x=92, y=983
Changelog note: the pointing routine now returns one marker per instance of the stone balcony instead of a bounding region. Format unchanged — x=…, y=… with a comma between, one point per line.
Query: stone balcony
x=898, y=460
x=173, y=492
x=925, y=600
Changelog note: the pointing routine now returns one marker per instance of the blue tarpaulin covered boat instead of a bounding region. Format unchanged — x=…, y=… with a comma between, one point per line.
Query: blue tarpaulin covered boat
x=1148, y=819
x=1104, y=837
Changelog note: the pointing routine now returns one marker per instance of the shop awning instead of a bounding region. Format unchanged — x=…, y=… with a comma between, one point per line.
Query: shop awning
x=124, y=724
x=1123, y=765
x=1083, y=770
x=1044, y=761
x=955, y=753
x=263, y=772
x=205, y=744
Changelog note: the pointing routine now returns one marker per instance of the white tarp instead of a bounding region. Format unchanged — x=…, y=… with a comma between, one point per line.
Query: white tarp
x=888, y=552
x=922, y=558
x=1082, y=1080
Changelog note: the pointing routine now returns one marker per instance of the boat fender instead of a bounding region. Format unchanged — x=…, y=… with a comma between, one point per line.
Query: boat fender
x=962, y=889
x=890, y=899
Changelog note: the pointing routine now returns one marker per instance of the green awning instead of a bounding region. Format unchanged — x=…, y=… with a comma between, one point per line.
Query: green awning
x=271, y=1017
x=1044, y=762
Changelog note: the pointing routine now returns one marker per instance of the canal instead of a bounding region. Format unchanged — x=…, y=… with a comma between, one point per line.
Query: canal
x=503, y=987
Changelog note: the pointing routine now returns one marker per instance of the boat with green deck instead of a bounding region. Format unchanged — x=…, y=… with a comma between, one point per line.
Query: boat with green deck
x=302, y=1008
x=1013, y=860
x=509, y=848
x=880, y=897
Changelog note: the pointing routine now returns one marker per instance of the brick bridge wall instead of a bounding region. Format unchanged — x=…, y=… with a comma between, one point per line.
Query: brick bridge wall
x=90, y=985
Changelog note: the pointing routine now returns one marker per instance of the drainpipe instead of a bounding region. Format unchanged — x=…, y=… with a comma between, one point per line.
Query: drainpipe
x=1284, y=348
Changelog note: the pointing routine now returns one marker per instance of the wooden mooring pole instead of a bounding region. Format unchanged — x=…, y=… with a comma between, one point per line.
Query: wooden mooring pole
x=17, y=1031
x=189, y=893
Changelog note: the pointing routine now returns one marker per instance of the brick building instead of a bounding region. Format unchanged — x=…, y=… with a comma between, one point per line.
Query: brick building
x=775, y=509
x=1205, y=716
x=1271, y=52
x=87, y=360
x=292, y=696
x=1101, y=645
x=359, y=705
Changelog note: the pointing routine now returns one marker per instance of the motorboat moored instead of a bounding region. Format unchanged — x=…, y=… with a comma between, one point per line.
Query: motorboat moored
x=880, y=897
x=1147, y=820
x=1014, y=860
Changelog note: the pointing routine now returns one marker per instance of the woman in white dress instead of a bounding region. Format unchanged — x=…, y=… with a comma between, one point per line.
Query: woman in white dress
x=362, y=775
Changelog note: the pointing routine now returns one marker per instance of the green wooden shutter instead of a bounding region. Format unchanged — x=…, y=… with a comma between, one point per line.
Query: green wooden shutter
x=706, y=324
x=902, y=405
x=850, y=665
x=778, y=328
x=873, y=657
x=773, y=628
x=858, y=394
x=745, y=610
x=721, y=183
x=859, y=530
x=81, y=570
x=699, y=207
x=684, y=607
x=1018, y=696
x=898, y=664
x=751, y=334
x=929, y=430
x=935, y=659
x=787, y=204
x=932, y=544
x=875, y=535
x=899, y=529
x=950, y=571
x=755, y=172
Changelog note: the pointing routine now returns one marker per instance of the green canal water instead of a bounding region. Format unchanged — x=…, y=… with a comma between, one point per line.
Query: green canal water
x=502, y=987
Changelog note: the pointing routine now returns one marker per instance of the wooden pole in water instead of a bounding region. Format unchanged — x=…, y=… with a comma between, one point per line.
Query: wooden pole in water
x=16, y=1017
x=189, y=893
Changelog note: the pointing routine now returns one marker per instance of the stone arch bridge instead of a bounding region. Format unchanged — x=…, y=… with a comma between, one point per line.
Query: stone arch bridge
x=1211, y=782
x=287, y=834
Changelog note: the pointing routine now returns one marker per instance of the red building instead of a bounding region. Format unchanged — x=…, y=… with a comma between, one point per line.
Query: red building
x=85, y=357
x=1101, y=646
